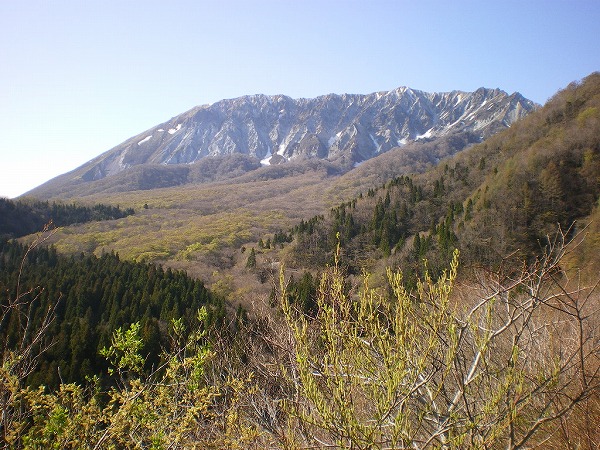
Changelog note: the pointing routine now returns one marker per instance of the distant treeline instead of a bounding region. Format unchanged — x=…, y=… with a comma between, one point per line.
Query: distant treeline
x=90, y=298
x=20, y=218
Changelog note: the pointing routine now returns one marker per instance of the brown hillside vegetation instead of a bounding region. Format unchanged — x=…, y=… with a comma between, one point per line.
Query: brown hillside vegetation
x=373, y=369
x=201, y=227
x=549, y=173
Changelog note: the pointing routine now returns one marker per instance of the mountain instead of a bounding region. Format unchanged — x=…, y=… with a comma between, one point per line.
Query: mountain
x=269, y=130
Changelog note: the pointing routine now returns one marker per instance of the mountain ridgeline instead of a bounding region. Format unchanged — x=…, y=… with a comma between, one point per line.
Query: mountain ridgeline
x=269, y=130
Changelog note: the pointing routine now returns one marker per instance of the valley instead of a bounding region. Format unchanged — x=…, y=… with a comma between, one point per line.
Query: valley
x=447, y=247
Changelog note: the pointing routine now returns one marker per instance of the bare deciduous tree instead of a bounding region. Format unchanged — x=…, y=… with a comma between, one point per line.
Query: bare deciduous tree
x=20, y=353
x=421, y=371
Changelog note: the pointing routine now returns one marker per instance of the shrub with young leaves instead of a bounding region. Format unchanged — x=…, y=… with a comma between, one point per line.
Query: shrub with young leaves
x=414, y=370
x=174, y=407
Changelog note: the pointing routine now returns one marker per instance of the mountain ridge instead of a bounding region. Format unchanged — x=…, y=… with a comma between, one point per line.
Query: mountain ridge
x=346, y=129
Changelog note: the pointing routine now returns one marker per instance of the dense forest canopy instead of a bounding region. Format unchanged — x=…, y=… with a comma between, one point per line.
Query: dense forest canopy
x=20, y=218
x=90, y=297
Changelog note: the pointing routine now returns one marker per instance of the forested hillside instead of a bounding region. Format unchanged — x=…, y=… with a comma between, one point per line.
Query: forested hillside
x=496, y=198
x=20, y=218
x=87, y=298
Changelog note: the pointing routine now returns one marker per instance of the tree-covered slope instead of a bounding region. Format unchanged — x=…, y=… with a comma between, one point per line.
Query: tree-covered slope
x=88, y=298
x=23, y=217
x=438, y=354
x=501, y=196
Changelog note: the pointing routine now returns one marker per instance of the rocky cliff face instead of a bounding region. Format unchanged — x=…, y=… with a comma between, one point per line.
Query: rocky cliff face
x=344, y=128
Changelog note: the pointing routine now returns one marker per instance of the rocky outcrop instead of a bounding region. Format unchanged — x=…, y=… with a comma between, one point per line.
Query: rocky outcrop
x=276, y=129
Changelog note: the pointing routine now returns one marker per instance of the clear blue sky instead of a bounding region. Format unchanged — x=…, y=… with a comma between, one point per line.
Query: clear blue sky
x=79, y=77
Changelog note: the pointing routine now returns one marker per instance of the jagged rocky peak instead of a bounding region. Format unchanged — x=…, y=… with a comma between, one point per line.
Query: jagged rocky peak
x=276, y=129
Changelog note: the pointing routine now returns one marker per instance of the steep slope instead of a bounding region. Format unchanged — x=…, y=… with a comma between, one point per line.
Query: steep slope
x=347, y=129
x=502, y=197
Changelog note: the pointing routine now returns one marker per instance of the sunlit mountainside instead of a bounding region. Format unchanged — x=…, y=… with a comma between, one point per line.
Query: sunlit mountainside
x=269, y=130
x=198, y=200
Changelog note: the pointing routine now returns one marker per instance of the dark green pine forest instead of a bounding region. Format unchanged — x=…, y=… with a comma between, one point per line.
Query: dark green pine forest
x=88, y=298
x=20, y=218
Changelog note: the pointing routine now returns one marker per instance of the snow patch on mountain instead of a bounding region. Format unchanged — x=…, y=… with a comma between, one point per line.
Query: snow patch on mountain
x=425, y=135
x=266, y=161
x=175, y=130
x=377, y=145
x=146, y=139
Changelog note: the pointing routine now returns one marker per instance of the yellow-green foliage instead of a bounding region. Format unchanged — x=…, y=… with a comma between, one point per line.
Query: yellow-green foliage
x=368, y=359
x=381, y=368
x=192, y=222
x=380, y=371
x=172, y=408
